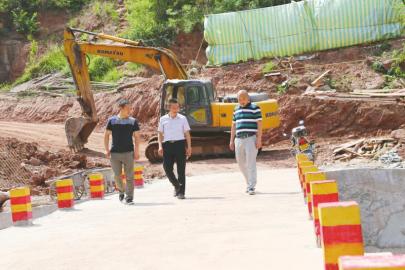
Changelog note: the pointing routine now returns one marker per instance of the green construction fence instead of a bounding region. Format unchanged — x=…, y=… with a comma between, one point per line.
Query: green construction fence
x=300, y=27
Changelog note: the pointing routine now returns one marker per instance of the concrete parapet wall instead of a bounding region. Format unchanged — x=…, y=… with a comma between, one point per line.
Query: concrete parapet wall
x=381, y=196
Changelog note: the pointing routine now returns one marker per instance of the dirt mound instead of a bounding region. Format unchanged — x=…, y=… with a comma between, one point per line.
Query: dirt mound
x=35, y=109
x=329, y=116
x=186, y=46
x=144, y=98
x=25, y=164
x=338, y=117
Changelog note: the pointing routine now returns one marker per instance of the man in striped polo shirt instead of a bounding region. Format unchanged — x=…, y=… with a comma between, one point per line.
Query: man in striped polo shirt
x=246, y=138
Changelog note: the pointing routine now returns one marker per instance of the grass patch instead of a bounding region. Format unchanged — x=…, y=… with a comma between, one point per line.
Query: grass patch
x=100, y=68
x=282, y=88
x=377, y=66
x=105, y=11
x=114, y=75
x=134, y=67
x=52, y=61
x=269, y=67
x=104, y=69
x=5, y=87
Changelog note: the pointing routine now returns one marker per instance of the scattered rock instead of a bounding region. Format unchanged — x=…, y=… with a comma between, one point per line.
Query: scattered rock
x=377, y=82
x=37, y=179
x=34, y=161
x=27, y=165
x=398, y=134
x=257, y=76
x=370, y=60
x=74, y=164
x=49, y=172
x=387, y=64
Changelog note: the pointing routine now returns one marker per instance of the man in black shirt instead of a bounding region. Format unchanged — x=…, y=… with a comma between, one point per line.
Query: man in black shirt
x=122, y=153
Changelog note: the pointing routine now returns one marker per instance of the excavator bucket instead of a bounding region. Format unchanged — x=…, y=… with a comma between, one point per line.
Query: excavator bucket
x=78, y=130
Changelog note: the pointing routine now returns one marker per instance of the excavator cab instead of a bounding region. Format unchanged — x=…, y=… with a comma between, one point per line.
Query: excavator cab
x=195, y=98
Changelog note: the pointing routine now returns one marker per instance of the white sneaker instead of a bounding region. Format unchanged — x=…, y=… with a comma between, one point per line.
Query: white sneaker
x=251, y=191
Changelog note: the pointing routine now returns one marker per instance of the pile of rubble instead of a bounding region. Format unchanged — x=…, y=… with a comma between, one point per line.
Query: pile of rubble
x=25, y=164
x=386, y=150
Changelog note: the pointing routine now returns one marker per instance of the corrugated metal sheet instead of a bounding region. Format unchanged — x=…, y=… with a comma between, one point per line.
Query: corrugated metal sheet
x=299, y=27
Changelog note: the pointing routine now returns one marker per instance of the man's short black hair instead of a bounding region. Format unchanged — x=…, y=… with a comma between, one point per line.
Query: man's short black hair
x=173, y=101
x=123, y=102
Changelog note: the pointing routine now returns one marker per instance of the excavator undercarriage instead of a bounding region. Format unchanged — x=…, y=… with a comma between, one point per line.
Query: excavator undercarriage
x=203, y=146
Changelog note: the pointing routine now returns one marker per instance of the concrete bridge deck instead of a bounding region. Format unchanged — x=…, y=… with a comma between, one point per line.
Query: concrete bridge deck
x=217, y=227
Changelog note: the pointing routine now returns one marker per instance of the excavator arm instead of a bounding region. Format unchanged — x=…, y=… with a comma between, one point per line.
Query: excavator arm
x=78, y=129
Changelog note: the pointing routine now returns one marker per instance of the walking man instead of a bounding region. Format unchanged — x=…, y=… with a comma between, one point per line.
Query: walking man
x=124, y=130
x=246, y=138
x=175, y=145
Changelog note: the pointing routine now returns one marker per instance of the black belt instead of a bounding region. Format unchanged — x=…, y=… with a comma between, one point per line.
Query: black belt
x=244, y=135
x=174, y=141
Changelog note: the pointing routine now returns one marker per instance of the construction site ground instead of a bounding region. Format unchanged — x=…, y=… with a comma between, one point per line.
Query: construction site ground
x=218, y=225
x=34, y=116
x=51, y=137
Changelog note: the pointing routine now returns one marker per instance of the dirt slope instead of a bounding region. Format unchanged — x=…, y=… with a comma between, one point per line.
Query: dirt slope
x=325, y=117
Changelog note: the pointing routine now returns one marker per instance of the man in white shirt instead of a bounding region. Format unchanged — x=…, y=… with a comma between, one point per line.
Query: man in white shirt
x=175, y=146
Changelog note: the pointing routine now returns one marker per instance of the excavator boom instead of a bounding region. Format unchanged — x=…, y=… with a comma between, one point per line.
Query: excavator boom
x=79, y=129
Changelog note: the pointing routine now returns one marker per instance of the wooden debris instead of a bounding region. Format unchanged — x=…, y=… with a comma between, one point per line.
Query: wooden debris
x=318, y=81
x=374, y=91
x=371, y=148
x=272, y=74
x=275, y=77
x=347, y=145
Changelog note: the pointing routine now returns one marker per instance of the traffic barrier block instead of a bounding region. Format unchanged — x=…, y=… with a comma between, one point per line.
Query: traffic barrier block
x=64, y=191
x=96, y=181
x=138, y=177
x=322, y=192
x=341, y=232
x=387, y=262
x=301, y=157
x=308, y=178
x=304, y=170
x=21, y=208
x=303, y=164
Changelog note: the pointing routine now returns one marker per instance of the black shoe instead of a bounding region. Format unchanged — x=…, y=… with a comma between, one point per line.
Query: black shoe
x=175, y=193
x=129, y=200
x=180, y=197
x=121, y=197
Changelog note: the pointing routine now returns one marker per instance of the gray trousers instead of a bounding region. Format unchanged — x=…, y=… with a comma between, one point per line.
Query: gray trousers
x=126, y=160
x=246, y=153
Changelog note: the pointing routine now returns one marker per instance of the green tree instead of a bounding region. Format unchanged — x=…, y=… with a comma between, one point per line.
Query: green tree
x=24, y=22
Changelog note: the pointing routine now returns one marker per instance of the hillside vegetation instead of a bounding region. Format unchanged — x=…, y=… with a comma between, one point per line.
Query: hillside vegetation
x=156, y=22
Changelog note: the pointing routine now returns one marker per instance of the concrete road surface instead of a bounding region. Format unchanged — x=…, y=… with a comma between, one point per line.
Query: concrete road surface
x=217, y=227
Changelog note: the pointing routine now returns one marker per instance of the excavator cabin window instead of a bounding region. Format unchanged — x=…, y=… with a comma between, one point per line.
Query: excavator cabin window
x=177, y=92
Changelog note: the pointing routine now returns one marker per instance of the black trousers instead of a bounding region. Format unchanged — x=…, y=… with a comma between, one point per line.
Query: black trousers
x=175, y=152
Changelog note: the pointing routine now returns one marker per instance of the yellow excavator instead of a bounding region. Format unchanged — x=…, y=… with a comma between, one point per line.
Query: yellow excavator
x=209, y=116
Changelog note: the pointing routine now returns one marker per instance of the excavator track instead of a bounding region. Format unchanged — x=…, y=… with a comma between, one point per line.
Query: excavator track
x=203, y=147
